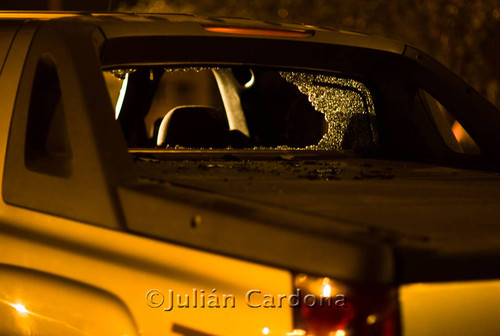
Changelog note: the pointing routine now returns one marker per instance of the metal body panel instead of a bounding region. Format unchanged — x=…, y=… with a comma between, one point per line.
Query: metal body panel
x=7, y=33
x=139, y=29
x=126, y=267
x=456, y=308
x=75, y=308
x=84, y=120
x=247, y=230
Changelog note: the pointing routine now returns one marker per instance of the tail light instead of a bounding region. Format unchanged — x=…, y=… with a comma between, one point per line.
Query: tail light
x=328, y=307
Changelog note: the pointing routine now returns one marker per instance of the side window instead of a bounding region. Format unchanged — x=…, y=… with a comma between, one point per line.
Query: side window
x=47, y=147
x=452, y=132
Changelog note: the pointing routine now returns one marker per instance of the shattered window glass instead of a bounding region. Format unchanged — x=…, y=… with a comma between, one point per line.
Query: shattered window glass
x=347, y=106
x=120, y=73
x=242, y=108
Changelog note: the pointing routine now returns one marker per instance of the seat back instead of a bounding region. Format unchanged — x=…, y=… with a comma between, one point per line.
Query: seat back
x=193, y=126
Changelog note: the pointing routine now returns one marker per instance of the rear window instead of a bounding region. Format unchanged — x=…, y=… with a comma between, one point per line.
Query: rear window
x=241, y=108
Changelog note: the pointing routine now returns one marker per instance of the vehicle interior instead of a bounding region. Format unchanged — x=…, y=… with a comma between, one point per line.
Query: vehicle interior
x=241, y=107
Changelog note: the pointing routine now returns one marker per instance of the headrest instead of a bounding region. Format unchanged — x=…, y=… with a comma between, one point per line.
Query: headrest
x=193, y=126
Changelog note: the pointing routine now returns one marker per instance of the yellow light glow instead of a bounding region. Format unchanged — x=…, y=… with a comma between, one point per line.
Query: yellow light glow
x=121, y=97
x=340, y=333
x=300, y=279
x=266, y=331
x=21, y=309
x=326, y=289
x=371, y=319
x=297, y=332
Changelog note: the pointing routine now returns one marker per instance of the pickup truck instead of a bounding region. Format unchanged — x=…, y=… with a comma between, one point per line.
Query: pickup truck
x=169, y=174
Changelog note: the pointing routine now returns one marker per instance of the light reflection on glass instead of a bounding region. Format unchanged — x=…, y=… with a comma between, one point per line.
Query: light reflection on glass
x=121, y=97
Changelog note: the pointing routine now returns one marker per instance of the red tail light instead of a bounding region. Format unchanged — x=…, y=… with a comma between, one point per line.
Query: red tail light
x=328, y=307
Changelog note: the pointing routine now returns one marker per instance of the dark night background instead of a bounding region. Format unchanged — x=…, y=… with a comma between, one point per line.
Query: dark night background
x=462, y=34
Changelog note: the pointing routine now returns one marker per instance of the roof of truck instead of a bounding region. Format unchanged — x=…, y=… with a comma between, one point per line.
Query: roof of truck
x=138, y=23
